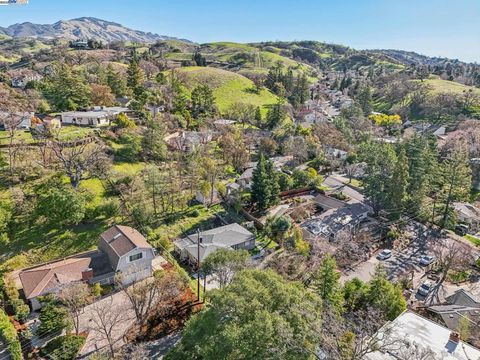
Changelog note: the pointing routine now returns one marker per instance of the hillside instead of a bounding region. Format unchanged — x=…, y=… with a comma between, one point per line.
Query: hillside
x=228, y=87
x=439, y=86
x=81, y=28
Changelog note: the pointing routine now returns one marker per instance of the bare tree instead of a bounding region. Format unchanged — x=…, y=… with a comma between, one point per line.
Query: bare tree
x=75, y=297
x=78, y=160
x=107, y=319
x=11, y=121
x=144, y=296
x=451, y=255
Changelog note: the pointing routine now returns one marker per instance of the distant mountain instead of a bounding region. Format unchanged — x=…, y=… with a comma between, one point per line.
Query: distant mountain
x=82, y=29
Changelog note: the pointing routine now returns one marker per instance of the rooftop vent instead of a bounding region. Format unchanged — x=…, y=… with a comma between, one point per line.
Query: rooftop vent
x=117, y=236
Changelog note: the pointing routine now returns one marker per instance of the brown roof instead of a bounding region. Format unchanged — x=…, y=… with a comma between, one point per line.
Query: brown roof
x=123, y=239
x=41, y=279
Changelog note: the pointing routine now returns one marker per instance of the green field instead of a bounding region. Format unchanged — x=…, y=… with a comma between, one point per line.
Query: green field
x=66, y=133
x=439, y=86
x=228, y=87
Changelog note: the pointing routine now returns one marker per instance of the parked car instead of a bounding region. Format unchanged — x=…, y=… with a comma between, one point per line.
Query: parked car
x=426, y=260
x=425, y=288
x=461, y=229
x=384, y=254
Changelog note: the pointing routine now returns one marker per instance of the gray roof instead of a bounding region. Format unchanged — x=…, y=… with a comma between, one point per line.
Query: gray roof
x=211, y=240
x=413, y=328
x=336, y=219
x=461, y=304
x=468, y=210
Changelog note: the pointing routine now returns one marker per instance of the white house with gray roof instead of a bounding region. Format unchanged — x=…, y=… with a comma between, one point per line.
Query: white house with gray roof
x=232, y=236
x=99, y=116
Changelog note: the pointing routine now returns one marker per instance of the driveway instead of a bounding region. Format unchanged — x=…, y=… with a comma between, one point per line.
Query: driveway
x=338, y=183
x=157, y=349
x=120, y=316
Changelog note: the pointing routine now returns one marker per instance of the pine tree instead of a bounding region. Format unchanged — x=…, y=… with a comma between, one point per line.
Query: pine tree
x=456, y=181
x=273, y=196
x=116, y=82
x=135, y=76
x=327, y=281
x=260, y=190
x=397, y=188
x=258, y=116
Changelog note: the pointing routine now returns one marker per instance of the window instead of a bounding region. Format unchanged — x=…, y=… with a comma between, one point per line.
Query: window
x=135, y=257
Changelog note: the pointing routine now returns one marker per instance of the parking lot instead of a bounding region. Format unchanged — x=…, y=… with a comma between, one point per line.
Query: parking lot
x=401, y=262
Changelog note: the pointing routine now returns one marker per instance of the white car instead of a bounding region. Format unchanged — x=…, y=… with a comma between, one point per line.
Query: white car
x=425, y=288
x=426, y=260
x=384, y=254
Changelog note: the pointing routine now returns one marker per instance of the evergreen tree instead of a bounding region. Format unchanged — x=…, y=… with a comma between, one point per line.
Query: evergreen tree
x=385, y=296
x=275, y=116
x=153, y=143
x=135, y=76
x=380, y=160
x=258, y=116
x=455, y=180
x=203, y=101
x=327, y=281
x=116, y=82
x=364, y=99
x=67, y=90
x=397, y=187
x=273, y=195
x=260, y=190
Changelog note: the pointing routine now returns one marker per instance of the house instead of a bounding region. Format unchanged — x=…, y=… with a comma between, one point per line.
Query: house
x=460, y=305
x=197, y=247
x=188, y=141
x=122, y=253
x=22, y=80
x=208, y=199
x=410, y=329
x=22, y=120
x=99, y=116
x=245, y=179
x=337, y=218
x=468, y=214
x=128, y=252
x=334, y=153
x=49, y=278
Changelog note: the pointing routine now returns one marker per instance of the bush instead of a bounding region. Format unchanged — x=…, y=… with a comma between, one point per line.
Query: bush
x=53, y=318
x=9, y=336
x=97, y=290
x=195, y=213
x=108, y=209
x=20, y=309
x=62, y=206
x=63, y=347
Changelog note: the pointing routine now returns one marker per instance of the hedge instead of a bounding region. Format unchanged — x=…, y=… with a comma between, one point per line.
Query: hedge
x=64, y=347
x=9, y=335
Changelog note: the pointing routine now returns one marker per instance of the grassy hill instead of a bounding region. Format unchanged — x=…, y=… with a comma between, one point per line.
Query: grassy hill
x=228, y=87
x=438, y=85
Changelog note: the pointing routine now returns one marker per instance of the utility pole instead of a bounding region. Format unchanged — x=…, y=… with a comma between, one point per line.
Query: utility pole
x=199, y=239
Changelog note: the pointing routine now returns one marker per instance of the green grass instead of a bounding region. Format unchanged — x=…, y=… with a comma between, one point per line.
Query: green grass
x=439, y=86
x=66, y=133
x=228, y=87
x=473, y=239
x=10, y=59
x=187, y=224
x=125, y=168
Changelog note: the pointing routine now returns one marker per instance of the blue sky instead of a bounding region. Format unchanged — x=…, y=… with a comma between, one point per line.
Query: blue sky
x=448, y=28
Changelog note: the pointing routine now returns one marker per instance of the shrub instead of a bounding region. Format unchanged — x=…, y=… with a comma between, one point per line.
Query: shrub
x=195, y=213
x=20, y=309
x=63, y=347
x=97, y=290
x=9, y=336
x=108, y=209
x=53, y=318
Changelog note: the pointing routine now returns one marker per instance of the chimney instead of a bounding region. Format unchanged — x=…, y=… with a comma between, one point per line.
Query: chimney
x=87, y=274
x=454, y=337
